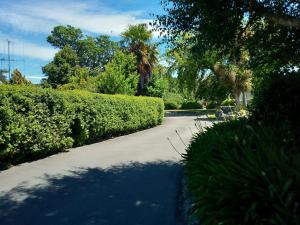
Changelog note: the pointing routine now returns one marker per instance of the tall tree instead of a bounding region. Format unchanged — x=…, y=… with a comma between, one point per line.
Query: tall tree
x=95, y=53
x=210, y=89
x=187, y=69
x=137, y=39
x=60, y=69
x=230, y=71
x=191, y=70
x=18, y=78
x=92, y=52
x=65, y=35
x=269, y=29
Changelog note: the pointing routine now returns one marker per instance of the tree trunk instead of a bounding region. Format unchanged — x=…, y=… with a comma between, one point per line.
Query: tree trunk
x=237, y=100
x=140, y=86
x=244, y=99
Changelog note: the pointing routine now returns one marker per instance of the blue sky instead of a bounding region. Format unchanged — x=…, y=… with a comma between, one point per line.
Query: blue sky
x=27, y=23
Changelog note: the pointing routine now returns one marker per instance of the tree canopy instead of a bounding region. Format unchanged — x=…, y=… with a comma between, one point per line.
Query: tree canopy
x=92, y=52
x=269, y=29
x=60, y=69
x=65, y=35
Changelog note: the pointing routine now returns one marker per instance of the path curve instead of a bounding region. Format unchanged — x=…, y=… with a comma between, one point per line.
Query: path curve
x=129, y=180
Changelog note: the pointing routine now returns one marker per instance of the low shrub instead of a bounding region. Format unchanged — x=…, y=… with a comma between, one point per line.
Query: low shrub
x=35, y=122
x=191, y=105
x=245, y=173
x=169, y=105
x=228, y=102
x=173, y=100
x=212, y=105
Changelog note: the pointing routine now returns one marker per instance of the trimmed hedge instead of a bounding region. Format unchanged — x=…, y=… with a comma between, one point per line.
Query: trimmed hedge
x=36, y=122
x=191, y=105
x=245, y=173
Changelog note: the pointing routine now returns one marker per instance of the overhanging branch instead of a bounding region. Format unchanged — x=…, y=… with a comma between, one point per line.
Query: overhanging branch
x=283, y=20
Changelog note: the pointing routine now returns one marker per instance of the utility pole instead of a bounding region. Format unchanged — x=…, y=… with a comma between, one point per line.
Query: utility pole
x=8, y=58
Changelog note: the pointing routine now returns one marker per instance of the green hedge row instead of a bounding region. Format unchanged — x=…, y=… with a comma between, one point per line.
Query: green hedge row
x=241, y=172
x=191, y=105
x=35, y=122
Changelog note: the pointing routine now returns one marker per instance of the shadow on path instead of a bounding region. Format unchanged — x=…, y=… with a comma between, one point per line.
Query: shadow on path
x=134, y=194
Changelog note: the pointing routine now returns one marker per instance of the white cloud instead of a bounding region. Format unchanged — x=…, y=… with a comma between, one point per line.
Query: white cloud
x=36, y=51
x=35, y=77
x=28, y=49
x=42, y=16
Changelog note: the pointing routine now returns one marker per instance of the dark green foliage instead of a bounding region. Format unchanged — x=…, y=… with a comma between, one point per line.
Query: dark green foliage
x=186, y=68
x=35, y=122
x=212, y=90
x=278, y=100
x=173, y=100
x=65, y=35
x=60, y=69
x=159, y=83
x=212, y=105
x=244, y=173
x=269, y=29
x=191, y=105
x=95, y=53
x=169, y=105
x=92, y=52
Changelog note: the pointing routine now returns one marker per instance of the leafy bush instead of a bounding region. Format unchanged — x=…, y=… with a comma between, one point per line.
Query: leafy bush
x=35, y=122
x=228, y=102
x=191, y=105
x=171, y=105
x=242, y=173
x=61, y=68
x=173, y=100
x=278, y=99
x=82, y=78
x=157, y=86
x=120, y=76
x=212, y=105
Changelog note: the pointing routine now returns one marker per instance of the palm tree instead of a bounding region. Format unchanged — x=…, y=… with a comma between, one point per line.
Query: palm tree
x=137, y=39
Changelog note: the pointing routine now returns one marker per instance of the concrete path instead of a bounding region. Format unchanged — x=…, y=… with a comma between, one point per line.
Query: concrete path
x=130, y=180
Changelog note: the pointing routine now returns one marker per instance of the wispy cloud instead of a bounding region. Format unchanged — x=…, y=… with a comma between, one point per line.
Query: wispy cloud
x=27, y=49
x=91, y=16
x=35, y=77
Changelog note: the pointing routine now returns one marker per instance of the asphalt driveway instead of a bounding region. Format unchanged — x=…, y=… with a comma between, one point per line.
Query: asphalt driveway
x=132, y=180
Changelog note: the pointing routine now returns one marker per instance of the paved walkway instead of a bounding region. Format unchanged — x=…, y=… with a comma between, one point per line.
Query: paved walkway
x=130, y=180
